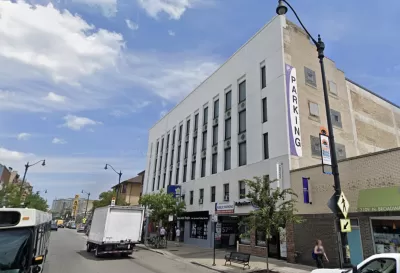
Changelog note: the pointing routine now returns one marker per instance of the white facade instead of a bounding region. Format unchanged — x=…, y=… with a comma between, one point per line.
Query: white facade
x=264, y=49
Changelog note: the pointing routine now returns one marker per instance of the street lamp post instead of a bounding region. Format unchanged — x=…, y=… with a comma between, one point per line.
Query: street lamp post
x=119, y=179
x=282, y=10
x=27, y=166
x=87, y=200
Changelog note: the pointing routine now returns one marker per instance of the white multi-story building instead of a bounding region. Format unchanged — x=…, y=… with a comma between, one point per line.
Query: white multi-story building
x=257, y=116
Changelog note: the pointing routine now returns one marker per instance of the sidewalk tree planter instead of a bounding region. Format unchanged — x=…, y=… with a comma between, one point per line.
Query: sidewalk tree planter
x=274, y=208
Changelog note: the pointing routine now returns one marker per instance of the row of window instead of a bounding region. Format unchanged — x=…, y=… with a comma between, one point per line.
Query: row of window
x=225, y=193
x=335, y=115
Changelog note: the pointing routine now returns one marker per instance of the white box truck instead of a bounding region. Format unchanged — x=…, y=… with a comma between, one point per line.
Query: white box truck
x=115, y=230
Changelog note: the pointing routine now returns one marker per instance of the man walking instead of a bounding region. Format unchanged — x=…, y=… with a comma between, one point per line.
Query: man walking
x=177, y=236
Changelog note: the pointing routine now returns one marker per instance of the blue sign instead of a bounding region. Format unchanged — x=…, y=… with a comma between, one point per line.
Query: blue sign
x=175, y=190
x=306, y=194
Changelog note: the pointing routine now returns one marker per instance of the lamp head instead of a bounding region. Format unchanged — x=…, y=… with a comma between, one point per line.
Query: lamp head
x=281, y=9
x=105, y=168
x=44, y=162
x=82, y=191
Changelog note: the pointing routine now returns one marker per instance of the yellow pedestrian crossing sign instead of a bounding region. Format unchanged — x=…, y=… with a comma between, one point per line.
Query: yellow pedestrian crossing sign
x=343, y=204
x=345, y=225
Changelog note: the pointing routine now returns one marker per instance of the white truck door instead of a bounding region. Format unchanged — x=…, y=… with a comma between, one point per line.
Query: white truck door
x=123, y=224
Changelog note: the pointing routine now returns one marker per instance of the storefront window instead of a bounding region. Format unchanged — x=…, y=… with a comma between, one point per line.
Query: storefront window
x=386, y=235
x=244, y=232
x=199, y=229
x=260, y=238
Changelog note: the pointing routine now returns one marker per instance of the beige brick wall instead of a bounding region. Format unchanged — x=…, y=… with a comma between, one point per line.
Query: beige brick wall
x=368, y=171
x=369, y=123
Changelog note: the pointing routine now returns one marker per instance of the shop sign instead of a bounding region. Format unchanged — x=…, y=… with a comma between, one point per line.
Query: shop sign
x=293, y=108
x=224, y=208
x=243, y=203
x=218, y=231
x=192, y=218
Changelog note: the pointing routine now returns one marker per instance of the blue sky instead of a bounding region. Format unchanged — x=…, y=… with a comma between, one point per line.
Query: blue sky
x=82, y=81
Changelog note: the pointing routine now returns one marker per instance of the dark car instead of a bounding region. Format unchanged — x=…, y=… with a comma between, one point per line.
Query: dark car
x=54, y=226
x=61, y=225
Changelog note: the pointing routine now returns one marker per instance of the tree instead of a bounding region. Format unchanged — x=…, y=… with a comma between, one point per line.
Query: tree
x=161, y=205
x=105, y=200
x=10, y=196
x=35, y=201
x=274, y=208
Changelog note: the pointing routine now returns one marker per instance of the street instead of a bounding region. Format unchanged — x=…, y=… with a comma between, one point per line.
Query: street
x=67, y=254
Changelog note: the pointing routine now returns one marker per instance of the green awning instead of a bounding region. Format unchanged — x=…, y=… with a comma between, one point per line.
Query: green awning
x=379, y=199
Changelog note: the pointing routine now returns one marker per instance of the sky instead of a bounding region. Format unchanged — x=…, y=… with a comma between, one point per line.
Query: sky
x=82, y=81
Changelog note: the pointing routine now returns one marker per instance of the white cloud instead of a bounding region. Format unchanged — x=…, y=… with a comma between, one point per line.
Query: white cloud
x=174, y=8
x=77, y=123
x=23, y=136
x=171, y=33
x=108, y=7
x=54, y=97
x=163, y=113
x=131, y=25
x=8, y=155
x=58, y=141
x=117, y=113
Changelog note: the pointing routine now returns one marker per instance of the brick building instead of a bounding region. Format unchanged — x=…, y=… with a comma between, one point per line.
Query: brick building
x=371, y=184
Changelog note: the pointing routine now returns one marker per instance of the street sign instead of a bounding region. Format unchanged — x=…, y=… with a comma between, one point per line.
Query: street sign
x=214, y=218
x=345, y=225
x=113, y=201
x=343, y=204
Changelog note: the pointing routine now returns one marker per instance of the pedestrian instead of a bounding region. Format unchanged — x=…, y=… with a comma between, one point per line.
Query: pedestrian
x=162, y=233
x=319, y=254
x=177, y=235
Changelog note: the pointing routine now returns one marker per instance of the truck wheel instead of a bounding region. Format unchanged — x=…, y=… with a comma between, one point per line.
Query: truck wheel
x=96, y=252
x=88, y=247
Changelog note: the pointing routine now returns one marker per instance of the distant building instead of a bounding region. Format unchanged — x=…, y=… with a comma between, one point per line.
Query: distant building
x=5, y=174
x=63, y=205
x=131, y=189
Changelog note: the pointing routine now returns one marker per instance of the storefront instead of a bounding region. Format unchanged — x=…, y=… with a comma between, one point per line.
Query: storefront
x=196, y=227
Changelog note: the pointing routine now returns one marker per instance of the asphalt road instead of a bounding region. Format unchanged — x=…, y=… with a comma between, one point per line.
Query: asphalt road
x=67, y=254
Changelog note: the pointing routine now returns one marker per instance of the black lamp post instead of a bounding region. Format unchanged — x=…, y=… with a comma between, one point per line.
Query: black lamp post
x=282, y=10
x=119, y=179
x=27, y=166
x=87, y=200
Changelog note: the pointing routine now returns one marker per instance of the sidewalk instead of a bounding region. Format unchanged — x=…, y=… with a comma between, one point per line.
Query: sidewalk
x=204, y=257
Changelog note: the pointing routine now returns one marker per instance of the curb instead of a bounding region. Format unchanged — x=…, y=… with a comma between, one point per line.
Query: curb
x=150, y=249
x=208, y=267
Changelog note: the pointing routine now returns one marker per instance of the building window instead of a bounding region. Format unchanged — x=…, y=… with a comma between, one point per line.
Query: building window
x=242, y=189
x=154, y=183
x=314, y=109
x=214, y=163
x=173, y=138
x=187, y=127
x=194, y=152
x=227, y=159
x=203, y=167
x=266, y=146
x=170, y=177
x=178, y=157
x=315, y=146
x=340, y=151
x=242, y=91
x=193, y=174
x=204, y=141
x=184, y=172
x=205, y=116
x=158, y=182
x=191, y=198
x=164, y=179
x=213, y=194
x=263, y=77
x=228, y=128
x=228, y=101
x=242, y=154
x=201, y=194
x=264, y=110
x=260, y=238
x=336, y=118
x=180, y=131
x=215, y=135
x=332, y=87
x=310, y=76
x=177, y=176
x=199, y=229
x=216, y=109
x=196, y=122
x=186, y=149
x=242, y=122
x=226, y=192
x=183, y=198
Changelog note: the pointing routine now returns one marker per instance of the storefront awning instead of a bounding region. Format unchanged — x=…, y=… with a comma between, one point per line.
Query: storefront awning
x=379, y=199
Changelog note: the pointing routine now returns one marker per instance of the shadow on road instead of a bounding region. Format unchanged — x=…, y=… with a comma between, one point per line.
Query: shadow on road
x=90, y=256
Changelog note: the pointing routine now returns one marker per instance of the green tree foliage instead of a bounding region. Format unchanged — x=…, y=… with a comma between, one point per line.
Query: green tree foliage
x=105, y=200
x=161, y=205
x=10, y=196
x=274, y=208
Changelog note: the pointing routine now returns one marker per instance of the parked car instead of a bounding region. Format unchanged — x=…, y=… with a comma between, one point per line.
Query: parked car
x=61, y=226
x=54, y=226
x=73, y=226
x=81, y=228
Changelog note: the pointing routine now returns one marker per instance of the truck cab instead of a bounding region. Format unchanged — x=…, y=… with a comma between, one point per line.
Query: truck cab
x=379, y=263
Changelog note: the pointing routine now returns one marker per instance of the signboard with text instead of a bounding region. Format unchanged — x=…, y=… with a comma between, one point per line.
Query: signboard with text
x=224, y=208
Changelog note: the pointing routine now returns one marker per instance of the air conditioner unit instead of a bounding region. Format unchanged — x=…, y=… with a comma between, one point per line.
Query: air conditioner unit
x=215, y=149
x=227, y=144
x=187, y=138
x=185, y=161
x=215, y=121
x=226, y=198
x=195, y=133
x=242, y=137
x=203, y=153
x=227, y=114
x=201, y=201
x=242, y=106
x=193, y=157
x=205, y=127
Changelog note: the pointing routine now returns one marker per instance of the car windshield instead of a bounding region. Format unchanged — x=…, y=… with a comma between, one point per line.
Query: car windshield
x=14, y=249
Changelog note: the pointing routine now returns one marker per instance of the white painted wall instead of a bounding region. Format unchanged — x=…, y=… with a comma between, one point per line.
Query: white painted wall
x=266, y=47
